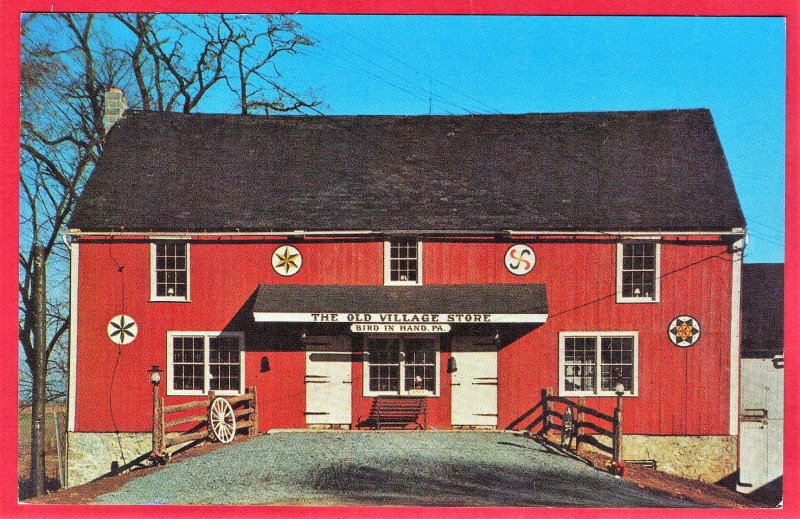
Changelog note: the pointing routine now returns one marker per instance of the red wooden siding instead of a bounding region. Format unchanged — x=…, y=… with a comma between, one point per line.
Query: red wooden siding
x=681, y=391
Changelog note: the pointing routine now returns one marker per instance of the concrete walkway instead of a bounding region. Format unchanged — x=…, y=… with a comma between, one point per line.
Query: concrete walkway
x=387, y=468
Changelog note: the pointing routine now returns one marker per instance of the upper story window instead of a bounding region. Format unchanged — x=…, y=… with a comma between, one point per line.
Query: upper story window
x=638, y=272
x=593, y=363
x=402, y=262
x=169, y=270
x=199, y=362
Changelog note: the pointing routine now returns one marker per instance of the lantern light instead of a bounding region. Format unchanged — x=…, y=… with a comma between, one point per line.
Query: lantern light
x=452, y=366
x=155, y=374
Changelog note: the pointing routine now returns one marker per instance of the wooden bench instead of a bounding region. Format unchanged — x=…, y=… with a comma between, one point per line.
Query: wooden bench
x=397, y=412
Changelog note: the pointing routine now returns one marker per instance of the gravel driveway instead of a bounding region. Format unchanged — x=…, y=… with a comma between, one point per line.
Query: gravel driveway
x=387, y=468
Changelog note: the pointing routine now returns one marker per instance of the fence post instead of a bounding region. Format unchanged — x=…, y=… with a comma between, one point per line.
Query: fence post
x=579, y=429
x=158, y=424
x=253, y=431
x=209, y=431
x=547, y=409
x=156, y=420
x=161, y=424
x=618, y=434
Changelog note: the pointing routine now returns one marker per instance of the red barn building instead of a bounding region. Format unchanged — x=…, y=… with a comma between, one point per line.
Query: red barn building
x=470, y=260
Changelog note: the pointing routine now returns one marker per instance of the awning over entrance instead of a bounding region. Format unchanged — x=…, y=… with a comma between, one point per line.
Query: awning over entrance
x=427, y=304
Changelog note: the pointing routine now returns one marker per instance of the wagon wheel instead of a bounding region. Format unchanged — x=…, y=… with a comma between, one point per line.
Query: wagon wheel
x=221, y=421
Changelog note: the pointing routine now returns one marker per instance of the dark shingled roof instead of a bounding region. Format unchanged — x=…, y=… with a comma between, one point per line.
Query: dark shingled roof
x=435, y=299
x=762, y=310
x=656, y=170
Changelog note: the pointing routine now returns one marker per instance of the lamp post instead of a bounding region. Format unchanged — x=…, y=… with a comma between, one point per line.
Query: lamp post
x=155, y=379
x=619, y=389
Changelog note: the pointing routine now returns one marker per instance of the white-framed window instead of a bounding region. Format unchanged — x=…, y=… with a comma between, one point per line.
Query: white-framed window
x=638, y=271
x=401, y=365
x=402, y=261
x=199, y=362
x=169, y=270
x=593, y=363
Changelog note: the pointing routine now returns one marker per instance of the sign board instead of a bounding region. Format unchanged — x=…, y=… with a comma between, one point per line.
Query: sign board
x=395, y=318
x=399, y=328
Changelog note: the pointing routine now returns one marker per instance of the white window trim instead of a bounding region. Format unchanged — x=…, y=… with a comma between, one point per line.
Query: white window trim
x=657, y=274
x=561, y=363
x=387, y=266
x=153, y=277
x=171, y=391
x=401, y=380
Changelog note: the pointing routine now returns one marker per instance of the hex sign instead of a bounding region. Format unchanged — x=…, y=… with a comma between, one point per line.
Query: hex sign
x=287, y=260
x=122, y=329
x=520, y=259
x=684, y=331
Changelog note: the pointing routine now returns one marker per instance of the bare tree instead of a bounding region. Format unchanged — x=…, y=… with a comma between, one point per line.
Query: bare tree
x=255, y=53
x=241, y=51
x=61, y=132
x=164, y=63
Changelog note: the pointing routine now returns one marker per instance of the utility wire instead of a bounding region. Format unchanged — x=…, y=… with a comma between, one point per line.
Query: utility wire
x=773, y=230
x=663, y=275
x=121, y=270
x=282, y=90
x=370, y=73
x=401, y=62
x=426, y=93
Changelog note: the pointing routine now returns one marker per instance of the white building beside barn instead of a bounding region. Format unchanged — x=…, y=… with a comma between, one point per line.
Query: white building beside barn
x=761, y=440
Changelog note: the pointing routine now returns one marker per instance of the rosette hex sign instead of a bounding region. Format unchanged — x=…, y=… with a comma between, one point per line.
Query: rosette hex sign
x=520, y=259
x=122, y=329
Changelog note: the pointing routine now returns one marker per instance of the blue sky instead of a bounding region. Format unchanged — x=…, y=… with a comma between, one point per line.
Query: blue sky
x=520, y=64
x=466, y=64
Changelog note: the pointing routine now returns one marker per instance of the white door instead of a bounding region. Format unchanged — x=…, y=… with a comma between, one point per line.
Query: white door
x=474, y=383
x=329, y=380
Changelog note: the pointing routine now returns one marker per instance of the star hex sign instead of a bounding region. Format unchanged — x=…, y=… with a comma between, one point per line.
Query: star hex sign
x=287, y=260
x=122, y=329
x=684, y=331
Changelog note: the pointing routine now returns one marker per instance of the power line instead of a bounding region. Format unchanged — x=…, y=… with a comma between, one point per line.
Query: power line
x=663, y=275
x=401, y=62
x=772, y=230
x=368, y=72
x=773, y=241
x=286, y=92
x=396, y=75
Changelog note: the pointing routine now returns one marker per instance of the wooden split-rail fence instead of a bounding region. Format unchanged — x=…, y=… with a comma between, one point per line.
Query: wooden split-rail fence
x=588, y=422
x=245, y=408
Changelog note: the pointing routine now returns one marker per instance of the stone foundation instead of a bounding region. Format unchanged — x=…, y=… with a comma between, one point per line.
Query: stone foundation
x=707, y=458
x=93, y=455
x=328, y=426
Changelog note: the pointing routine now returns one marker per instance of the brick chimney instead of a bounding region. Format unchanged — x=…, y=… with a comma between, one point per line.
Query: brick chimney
x=114, y=107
